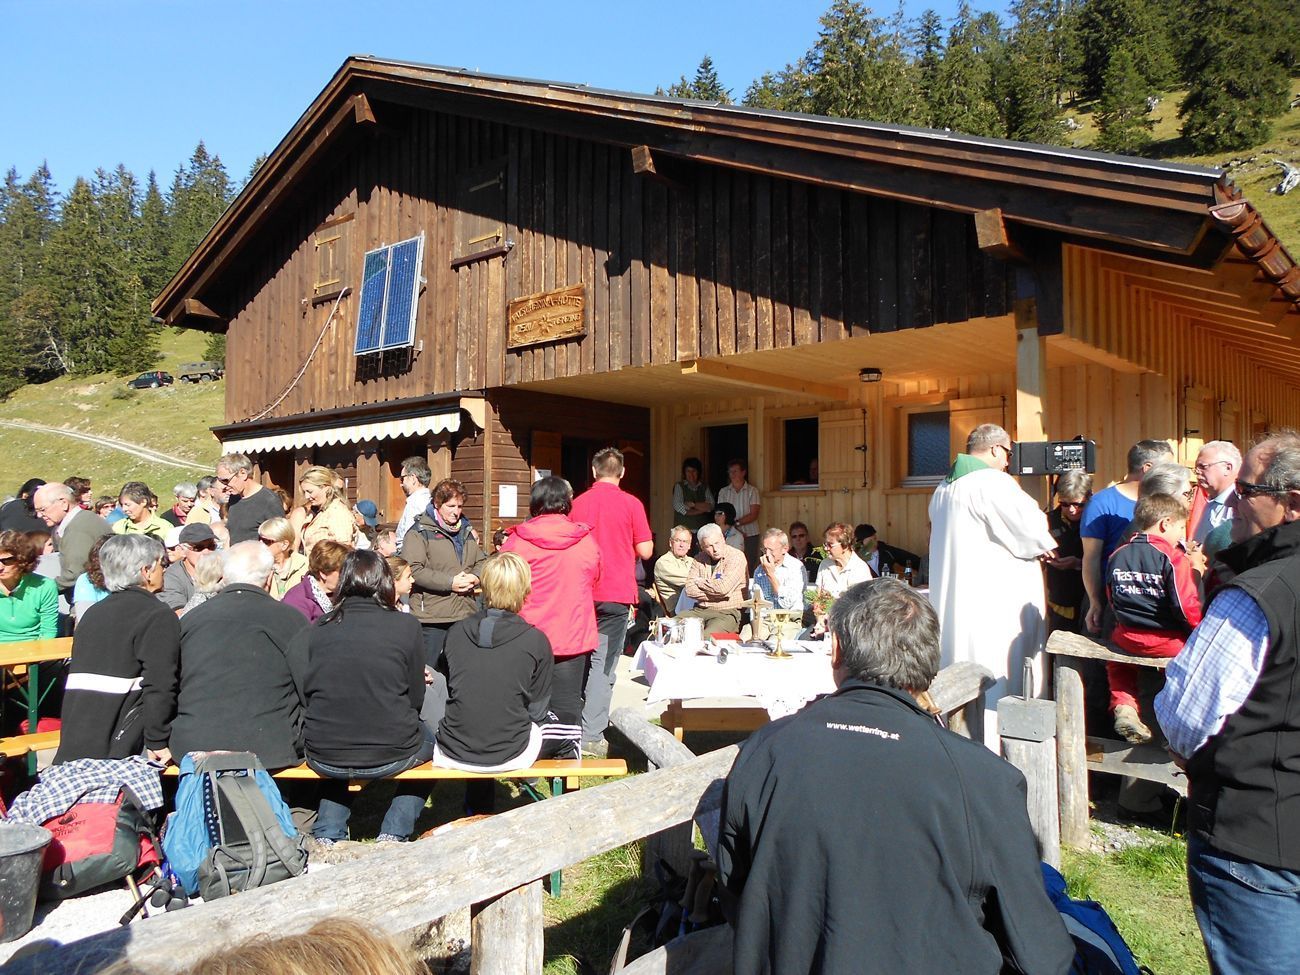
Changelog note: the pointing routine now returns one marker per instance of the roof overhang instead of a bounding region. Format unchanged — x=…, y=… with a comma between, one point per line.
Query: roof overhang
x=1138, y=204
x=398, y=419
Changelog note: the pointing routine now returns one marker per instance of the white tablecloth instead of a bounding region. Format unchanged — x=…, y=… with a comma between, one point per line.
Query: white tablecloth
x=780, y=686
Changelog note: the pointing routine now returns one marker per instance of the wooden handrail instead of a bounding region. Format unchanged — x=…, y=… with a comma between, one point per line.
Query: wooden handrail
x=492, y=865
x=401, y=889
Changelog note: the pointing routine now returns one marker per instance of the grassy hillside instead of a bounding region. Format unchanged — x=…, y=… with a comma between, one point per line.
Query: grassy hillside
x=173, y=420
x=1253, y=170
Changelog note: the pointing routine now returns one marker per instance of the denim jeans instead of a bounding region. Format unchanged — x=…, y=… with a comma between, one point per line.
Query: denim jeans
x=1248, y=913
x=336, y=801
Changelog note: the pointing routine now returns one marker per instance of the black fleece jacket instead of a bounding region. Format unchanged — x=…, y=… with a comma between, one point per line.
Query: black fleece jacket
x=365, y=685
x=498, y=670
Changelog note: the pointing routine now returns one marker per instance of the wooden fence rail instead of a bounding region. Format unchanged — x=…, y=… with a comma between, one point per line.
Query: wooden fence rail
x=494, y=865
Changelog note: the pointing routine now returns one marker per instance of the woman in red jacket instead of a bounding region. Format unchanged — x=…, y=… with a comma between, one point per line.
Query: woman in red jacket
x=565, y=564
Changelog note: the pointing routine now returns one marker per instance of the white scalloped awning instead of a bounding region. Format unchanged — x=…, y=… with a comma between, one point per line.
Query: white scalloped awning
x=444, y=421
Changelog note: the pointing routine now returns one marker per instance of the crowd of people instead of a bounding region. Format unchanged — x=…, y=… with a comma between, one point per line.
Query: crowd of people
x=236, y=620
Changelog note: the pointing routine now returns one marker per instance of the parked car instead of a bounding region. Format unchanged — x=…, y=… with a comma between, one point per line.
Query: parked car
x=202, y=372
x=151, y=380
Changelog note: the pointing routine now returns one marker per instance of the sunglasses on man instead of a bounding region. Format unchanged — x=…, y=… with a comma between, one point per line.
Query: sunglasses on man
x=1247, y=490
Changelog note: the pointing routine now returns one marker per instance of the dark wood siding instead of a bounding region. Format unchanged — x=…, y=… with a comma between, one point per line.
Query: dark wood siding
x=715, y=262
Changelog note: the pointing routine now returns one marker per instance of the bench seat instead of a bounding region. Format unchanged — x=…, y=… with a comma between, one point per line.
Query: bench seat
x=19, y=746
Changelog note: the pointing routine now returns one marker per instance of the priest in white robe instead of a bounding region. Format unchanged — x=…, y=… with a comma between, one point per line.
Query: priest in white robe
x=986, y=583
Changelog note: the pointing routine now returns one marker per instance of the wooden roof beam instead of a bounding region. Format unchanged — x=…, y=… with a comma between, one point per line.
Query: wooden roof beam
x=645, y=165
x=755, y=379
x=994, y=236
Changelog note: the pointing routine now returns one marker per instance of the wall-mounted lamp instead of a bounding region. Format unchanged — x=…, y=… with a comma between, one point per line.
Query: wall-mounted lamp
x=870, y=375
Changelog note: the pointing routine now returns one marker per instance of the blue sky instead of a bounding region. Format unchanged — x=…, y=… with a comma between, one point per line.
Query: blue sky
x=93, y=84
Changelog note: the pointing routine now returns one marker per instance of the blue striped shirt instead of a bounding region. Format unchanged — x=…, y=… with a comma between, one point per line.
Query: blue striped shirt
x=1211, y=678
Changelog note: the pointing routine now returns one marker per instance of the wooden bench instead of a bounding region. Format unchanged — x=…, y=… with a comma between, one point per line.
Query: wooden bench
x=25, y=659
x=20, y=746
x=1078, y=753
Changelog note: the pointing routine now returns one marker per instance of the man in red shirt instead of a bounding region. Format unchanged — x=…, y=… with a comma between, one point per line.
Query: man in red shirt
x=622, y=533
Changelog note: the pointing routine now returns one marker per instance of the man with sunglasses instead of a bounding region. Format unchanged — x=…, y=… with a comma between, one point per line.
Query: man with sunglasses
x=250, y=504
x=178, y=578
x=1232, y=718
x=986, y=538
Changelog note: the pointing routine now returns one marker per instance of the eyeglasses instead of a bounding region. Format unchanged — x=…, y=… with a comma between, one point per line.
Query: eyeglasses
x=1202, y=468
x=1247, y=490
x=1073, y=504
x=46, y=507
x=225, y=481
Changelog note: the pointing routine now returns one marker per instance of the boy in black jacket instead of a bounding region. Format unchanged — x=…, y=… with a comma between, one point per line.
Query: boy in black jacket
x=498, y=670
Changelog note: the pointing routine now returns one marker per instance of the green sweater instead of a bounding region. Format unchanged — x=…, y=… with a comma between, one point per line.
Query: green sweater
x=31, y=611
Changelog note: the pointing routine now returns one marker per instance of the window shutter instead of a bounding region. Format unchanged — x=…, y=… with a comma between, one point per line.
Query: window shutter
x=840, y=463
x=332, y=248
x=480, y=211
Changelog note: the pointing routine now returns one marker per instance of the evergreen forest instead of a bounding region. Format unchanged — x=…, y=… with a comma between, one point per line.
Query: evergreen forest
x=79, y=268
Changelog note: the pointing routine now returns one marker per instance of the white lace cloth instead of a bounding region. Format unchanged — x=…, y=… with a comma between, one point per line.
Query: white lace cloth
x=780, y=686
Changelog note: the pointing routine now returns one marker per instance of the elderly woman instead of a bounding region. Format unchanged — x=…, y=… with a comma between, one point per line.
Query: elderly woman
x=1172, y=479
x=1067, y=600
x=209, y=577
x=840, y=569
x=444, y=557
x=121, y=689
x=29, y=603
x=314, y=595
x=136, y=502
x=362, y=717
x=278, y=536
x=186, y=494
x=324, y=515
x=565, y=563
x=90, y=587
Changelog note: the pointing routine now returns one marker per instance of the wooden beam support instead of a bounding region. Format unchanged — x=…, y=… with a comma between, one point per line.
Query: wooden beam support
x=197, y=309
x=755, y=379
x=994, y=237
x=506, y=933
x=645, y=166
x=1031, y=388
x=363, y=113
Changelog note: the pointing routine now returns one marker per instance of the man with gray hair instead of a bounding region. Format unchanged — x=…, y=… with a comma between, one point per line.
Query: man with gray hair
x=121, y=686
x=986, y=582
x=241, y=677
x=1217, y=465
x=839, y=852
x=416, y=478
x=715, y=586
x=1230, y=712
x=250, y=504
x=75, y=530
x=780, y=578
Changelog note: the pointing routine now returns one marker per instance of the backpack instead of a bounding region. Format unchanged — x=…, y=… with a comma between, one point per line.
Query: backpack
x=231, y=830
x=1099, y=948
x=96, y=843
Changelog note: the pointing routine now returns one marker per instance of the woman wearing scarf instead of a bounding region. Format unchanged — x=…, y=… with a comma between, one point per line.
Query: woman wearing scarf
x=314, y=595
x=444, y=557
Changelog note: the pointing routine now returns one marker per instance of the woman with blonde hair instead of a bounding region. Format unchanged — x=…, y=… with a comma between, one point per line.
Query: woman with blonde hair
x=278, y=536
x=498, y=669
x=209, y=575
x=324, y=514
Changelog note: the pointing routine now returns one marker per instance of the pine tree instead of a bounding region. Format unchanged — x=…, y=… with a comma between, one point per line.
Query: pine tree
x=1029, y=75
x=705, y=87
x=1122, y=112
x=1104, y=26
x=72, y=331
x=789, y=90
x=200, y=194
x=860, y=69
x=929, y=52
x=152, y=263
x=1236, y=80
x=962, y=99
x=214, y=348
x=26, y=306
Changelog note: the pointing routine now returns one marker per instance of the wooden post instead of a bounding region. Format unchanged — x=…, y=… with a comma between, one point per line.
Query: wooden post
x=506, y=933
x=1071, y=753
x=1037, y=760
x=1031, y=387
x=675, y=844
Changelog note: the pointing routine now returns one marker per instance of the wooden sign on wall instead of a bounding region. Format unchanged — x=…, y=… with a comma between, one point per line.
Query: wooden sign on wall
x=546, y=317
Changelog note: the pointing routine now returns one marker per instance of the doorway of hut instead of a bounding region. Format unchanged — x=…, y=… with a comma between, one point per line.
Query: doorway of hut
x=723, y=444
x=570, y=458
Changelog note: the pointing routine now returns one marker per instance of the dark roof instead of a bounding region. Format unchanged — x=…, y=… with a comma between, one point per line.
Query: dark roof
x=1160, y=208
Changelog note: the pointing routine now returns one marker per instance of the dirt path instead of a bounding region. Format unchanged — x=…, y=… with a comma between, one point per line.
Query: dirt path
x=134, y=449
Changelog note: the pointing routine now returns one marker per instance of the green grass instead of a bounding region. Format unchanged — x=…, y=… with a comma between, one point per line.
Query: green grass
x=1252, y=170
x=173, y=420
x=1144, y=888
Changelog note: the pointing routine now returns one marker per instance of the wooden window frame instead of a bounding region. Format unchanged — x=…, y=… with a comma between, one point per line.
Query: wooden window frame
x=902, y=454
x=775, y=447
x=336, y=234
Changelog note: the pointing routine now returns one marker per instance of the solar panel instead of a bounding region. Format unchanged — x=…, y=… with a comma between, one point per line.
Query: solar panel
x=370, y=316
x=403, y=293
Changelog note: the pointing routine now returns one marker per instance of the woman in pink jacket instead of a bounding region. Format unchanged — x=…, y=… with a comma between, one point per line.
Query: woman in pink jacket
x=565, y=564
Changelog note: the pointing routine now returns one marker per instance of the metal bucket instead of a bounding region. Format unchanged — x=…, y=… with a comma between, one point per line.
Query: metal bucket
x=22, y=848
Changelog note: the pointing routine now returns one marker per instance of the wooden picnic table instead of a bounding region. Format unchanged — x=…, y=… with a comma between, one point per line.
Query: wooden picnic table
x=26, y=658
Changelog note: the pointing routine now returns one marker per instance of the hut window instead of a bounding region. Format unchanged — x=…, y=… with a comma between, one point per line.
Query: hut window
x=928, y=446
x=332, y=250
x=799, y=451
